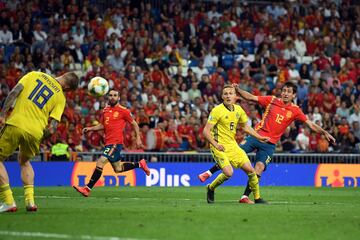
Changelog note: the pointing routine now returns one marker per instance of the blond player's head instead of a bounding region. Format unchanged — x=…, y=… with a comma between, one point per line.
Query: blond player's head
x=69, y=81
x=228, y=94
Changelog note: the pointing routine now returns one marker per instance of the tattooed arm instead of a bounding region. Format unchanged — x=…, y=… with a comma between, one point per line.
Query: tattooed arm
x=51, y=129
x=9, y=101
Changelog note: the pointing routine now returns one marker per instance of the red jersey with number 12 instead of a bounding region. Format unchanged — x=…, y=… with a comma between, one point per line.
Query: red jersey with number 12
x=114, y=120
x=277, y=117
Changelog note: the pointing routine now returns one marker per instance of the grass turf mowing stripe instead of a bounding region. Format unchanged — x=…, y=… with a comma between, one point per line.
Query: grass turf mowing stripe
x=61, y=236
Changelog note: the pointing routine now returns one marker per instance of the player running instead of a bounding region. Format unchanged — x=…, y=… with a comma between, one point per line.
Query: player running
x=220, y=131
x=37, y=96
x=279, y=114
x=113, y=122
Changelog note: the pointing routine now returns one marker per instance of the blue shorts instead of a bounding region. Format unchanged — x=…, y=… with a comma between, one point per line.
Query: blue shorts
x=264, y=151
x=112, y=152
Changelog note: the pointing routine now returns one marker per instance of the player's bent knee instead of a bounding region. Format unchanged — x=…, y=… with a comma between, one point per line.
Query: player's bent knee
x=101, y=162
x=259, y=168
x=118, y=167
x=248, y=168
x=228, y=171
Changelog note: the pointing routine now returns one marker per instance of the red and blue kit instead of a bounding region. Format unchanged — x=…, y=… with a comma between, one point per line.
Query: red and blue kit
x=277, y=117
x=114, y=120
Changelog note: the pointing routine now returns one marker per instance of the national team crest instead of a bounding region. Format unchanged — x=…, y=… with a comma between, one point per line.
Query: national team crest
x=116, y=114
x=237, y=115
x=288, y=114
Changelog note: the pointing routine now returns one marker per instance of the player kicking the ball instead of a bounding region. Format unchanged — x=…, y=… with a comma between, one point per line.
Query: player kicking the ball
x=113, y=122
x=279, y=114
x=220, y=131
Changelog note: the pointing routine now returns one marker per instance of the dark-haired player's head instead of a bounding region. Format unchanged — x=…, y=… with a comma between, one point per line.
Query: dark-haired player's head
x=228, y=94
x=113, y=97
x=288, y=92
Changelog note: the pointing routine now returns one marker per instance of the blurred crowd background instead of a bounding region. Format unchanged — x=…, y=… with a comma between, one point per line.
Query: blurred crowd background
x=170, y=60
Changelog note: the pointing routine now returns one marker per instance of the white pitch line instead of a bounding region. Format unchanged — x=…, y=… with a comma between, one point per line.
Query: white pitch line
x=113, y=198
x=187, y=199
x=60, y=236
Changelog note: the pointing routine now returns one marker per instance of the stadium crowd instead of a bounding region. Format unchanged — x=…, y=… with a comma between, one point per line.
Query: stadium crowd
x=170, y=59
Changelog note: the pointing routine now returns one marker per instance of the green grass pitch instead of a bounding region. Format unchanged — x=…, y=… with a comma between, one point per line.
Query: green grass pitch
x=140, y=213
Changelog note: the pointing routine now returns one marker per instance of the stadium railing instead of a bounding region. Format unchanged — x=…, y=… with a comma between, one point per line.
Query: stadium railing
x=206, y=157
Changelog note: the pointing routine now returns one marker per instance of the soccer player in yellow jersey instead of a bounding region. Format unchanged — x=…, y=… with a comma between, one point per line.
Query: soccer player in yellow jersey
x=220, y=131
x=38, y=96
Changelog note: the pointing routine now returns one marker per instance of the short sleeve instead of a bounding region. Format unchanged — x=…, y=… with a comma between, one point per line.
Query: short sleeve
x=127, y=116
x=213, y=116
x=265, y=100
x=243, y=116
x=301, y=116
x=58, y=109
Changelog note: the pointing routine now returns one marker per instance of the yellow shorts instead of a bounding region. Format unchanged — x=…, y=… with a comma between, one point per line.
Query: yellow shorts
x=233, y=155
x=12, y=137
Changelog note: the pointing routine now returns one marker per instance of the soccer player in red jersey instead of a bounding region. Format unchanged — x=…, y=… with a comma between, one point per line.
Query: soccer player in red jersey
x=114, y=118
x=279, y=114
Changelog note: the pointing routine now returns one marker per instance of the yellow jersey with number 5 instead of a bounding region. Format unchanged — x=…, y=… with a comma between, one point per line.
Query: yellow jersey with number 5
x=225, y=122
x=42, y=97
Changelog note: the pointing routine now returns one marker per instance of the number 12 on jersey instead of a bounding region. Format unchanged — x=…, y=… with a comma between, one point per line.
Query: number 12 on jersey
x=279, y=118
x=41, y=94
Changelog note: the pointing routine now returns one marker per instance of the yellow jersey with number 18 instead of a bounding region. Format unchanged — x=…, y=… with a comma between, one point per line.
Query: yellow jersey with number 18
x=225, y=122
x=41, y=97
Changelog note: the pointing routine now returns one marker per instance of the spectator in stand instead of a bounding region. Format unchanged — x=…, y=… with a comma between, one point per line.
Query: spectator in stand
x=194, y=92
x=294, y=75
x=300, y=45
x=172, y=139
x=288, y=143
x=116, y=61
x=302, y=140
x=355, y=116
x=245, y=59
x=343, y=111
x=6, y=36
x=355, y=128
x=211, y=59
x=290, y=51
x=322, y=145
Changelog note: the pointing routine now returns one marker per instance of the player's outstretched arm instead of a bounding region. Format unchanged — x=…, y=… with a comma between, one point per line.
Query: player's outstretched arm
x=9, y=101
x=316, y=128
x=137, y=132
x=249, y=130
x=244, y=94
x=94, y=128
x=207, y=135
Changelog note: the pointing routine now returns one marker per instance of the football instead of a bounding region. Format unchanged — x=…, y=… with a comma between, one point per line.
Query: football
x=98, y=86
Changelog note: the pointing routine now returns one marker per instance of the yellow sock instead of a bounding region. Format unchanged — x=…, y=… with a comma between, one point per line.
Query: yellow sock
x=254, y=185
x=29, y=194
x=1, y=197
x=218, y=181
x=7, y=196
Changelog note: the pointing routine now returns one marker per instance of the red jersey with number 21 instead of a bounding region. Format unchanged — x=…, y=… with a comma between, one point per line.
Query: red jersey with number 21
x=114, y=120
x=277, y=117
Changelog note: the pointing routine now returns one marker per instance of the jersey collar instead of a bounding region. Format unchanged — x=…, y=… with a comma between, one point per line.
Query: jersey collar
x=229, y=108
